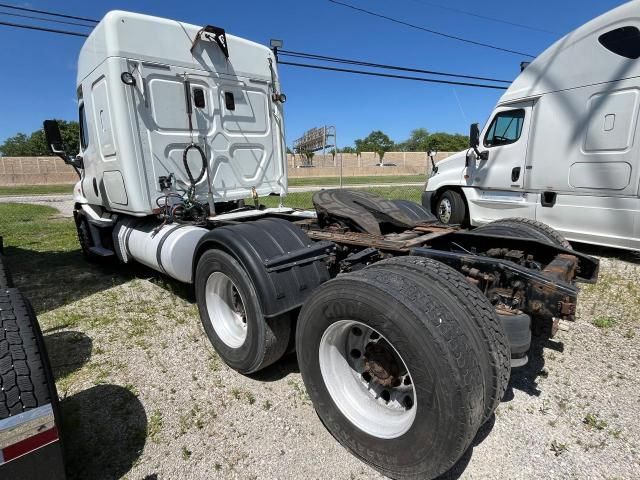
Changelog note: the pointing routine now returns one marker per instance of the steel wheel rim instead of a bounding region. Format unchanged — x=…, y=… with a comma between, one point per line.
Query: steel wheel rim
x=363, y=400
x=444, y=210
x=226, y=309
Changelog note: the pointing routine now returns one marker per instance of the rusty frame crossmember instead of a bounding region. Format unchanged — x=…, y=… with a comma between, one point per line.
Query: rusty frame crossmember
x=540, y=282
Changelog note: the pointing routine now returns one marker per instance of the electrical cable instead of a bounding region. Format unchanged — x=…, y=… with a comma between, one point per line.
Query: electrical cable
x=311, y=56
x=44, y=19
x=43, y=29
x=484, y=17
x=53, y=14
x=428, y=30
x=390, y=75
x=326, y=58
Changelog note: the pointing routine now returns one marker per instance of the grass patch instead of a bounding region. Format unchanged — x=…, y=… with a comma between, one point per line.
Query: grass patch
x=186, y=453
x=293, y=182
x=373, y=179
x=558, y=448
x=154, y=426
x=304, y=199
x=604, y=322
x=30, y=227
x=37, y=189
x=593, y=421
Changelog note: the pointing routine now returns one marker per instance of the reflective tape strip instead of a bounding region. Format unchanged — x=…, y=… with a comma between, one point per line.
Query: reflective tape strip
x=30, y=444
x=38, y=422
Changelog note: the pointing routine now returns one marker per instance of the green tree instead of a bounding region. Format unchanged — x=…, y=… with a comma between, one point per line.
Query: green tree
x=309, y=158
x=417, y=141
x=447, y=142
x=421, y=140
x=376, y=141
x=35, y=145
x=347, y=150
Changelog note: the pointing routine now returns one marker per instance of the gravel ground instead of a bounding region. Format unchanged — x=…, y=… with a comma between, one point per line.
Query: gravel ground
x=144, y=395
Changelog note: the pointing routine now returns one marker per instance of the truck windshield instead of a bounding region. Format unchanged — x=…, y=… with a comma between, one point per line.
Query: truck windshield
x=505, y=128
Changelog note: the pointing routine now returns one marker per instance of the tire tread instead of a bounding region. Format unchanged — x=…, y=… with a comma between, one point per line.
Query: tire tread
x=23, y=381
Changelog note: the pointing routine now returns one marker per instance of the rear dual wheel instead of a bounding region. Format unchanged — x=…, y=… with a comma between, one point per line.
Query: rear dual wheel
x=232, y=316
x=524, y=228
x=394, y=363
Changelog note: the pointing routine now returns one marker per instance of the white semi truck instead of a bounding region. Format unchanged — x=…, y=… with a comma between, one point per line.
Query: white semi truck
x=405, y=329
x=561, y=145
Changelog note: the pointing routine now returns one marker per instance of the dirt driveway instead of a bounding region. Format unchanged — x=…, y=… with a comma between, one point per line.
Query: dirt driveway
x=144, y=396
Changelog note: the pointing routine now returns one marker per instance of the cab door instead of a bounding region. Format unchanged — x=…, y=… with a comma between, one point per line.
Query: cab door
x=497, y=176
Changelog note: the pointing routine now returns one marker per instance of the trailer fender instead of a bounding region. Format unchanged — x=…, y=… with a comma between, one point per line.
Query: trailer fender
x=284, y=265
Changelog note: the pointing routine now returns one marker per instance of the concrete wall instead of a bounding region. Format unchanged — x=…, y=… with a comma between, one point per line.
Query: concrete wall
x=35, y=171
x=365, y=164
x=52, y=170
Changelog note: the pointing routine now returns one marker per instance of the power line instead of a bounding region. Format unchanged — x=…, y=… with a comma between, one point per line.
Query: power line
x=45, y=19
x=43, y=29
x=390, y=75
x=424, y=29
x=484, y=17
x=53, y=14
x=361, y=63
x=326, y=58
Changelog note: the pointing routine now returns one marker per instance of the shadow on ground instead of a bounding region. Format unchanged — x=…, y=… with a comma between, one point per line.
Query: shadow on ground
x=609, y=252
x=279, y=370
x=53, y=279
x=68, y=351
x=104, y=430
x=458, y=469
x=525, y=378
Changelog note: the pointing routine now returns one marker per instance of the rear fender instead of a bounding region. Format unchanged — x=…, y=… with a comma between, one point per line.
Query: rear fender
x=284, y=265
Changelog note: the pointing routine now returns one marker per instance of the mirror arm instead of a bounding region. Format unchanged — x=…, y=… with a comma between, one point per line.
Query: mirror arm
x=75, y=162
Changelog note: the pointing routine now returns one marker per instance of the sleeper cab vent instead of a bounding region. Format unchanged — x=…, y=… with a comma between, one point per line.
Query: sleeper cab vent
x=623, y=41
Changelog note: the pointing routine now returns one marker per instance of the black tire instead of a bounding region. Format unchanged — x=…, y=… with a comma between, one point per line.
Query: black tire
x=524, y=228
x=25, y=374
x=6, y=280
x=451, y=209
x=266, y=338
x=422, y=326
x=482, y=322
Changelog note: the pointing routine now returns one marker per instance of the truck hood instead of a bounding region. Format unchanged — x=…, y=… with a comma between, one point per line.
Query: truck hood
x=452, y=161
x=450, y=171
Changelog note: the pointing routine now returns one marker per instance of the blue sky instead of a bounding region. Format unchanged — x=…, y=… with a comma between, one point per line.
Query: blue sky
x=37, y=73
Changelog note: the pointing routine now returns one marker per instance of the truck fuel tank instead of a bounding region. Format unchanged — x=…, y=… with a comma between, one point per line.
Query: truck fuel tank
x=166, y=248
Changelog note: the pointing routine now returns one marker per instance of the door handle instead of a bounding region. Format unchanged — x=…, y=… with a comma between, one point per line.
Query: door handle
x=548, y=199
x=515, y=174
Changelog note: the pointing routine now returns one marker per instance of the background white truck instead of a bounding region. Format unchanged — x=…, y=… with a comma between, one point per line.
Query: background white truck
x=405, y=329
x=562, y=144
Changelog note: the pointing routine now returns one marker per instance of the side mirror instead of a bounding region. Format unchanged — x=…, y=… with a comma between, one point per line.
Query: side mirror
x=474, y=136
x=474, y=142
x=54, y=138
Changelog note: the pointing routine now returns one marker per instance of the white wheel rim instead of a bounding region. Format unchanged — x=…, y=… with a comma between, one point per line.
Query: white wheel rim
x=383, y=411
x=444, y=210
x=225, y=307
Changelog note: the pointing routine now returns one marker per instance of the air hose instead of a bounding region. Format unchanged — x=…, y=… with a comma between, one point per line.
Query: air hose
x=186, y=164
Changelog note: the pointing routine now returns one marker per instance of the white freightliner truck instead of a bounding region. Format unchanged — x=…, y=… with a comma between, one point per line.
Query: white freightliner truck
x=405, y=329
x=561, y=146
